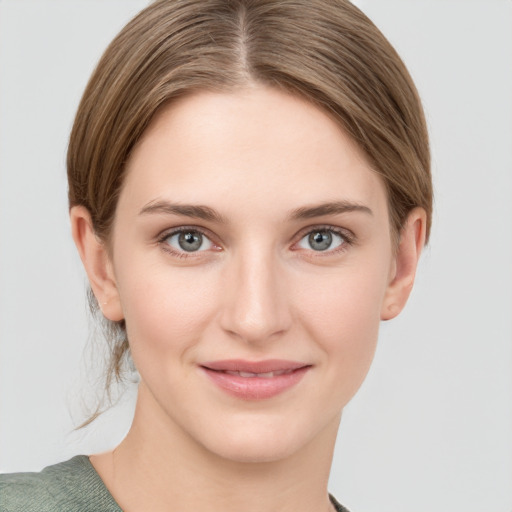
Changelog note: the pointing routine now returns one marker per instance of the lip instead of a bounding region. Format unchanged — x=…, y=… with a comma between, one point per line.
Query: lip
x=253, y=380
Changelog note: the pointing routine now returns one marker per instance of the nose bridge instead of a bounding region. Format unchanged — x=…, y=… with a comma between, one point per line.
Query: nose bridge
x=256, y=308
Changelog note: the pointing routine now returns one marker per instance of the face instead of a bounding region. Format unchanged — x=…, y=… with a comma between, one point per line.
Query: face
x=252, y=257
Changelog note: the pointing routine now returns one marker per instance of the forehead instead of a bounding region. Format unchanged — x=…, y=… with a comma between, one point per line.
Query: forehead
x=257, y=145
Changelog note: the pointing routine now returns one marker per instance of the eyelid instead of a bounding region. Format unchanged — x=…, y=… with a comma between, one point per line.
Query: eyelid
x=165, y=234
x=346, y=234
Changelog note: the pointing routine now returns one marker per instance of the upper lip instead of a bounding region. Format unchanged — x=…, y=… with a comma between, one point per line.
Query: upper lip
x=266, y=366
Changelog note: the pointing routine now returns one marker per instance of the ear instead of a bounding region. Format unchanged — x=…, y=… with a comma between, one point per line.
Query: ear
x=405, y=262
x=97, y=263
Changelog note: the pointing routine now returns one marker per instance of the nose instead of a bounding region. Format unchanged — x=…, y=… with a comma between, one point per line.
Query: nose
x=256, y=306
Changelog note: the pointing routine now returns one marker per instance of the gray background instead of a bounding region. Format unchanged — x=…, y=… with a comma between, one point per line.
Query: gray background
x=431, y=428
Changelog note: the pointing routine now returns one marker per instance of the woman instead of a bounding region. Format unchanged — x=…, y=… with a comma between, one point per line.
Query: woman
x=249, y=193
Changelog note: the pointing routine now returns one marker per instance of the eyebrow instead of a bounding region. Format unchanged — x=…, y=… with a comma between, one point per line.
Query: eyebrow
x=331, y=208
x=207, y=213
x=185, y=210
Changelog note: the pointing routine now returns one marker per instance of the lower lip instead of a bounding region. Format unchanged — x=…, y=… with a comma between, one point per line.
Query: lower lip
x=255, y=388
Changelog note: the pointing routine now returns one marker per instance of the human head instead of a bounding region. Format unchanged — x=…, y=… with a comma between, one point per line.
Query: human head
x=326, y=51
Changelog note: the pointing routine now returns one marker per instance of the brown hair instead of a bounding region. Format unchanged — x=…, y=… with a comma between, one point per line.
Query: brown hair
x=327, y=51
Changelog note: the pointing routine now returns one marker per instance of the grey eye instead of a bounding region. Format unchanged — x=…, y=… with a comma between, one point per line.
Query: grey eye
x=321, y=240
x=189, y=241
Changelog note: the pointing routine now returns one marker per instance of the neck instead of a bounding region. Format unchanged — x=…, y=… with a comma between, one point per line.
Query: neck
x=158, y=465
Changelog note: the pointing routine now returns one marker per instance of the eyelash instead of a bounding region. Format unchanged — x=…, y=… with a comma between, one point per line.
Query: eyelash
x=347, y=236
x=162, y=240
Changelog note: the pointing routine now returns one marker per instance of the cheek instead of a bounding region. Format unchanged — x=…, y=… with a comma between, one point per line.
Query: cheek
x=166, y=309
x=344, y=320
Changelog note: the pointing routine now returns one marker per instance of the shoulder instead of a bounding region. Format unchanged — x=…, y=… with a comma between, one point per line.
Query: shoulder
x=72, y=486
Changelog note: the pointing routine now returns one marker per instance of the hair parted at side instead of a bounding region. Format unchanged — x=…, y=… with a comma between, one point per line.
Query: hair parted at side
x=326, y=51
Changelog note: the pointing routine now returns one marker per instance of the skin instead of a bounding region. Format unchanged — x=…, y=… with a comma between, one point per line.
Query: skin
x=256, y=290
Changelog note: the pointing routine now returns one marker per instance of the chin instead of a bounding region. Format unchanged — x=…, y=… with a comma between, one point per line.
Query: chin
x=256, y=449
x=267, y=441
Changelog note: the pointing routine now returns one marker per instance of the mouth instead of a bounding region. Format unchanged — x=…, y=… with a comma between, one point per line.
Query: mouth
x=255, y=380
x=265, y=375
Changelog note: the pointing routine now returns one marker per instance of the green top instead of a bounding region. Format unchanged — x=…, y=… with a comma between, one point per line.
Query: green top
x=71, y=486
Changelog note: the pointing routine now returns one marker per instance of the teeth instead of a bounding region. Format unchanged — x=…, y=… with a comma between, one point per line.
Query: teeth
x=267, y=375
x=248, y=374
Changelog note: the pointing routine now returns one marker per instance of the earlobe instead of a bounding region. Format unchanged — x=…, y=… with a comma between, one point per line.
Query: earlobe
x=405, y=262
x=96, y=261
